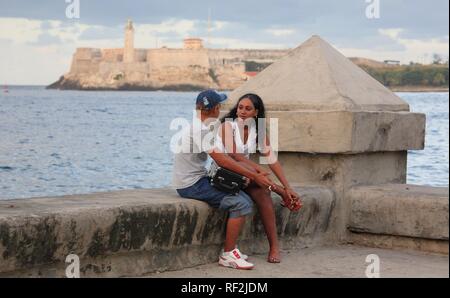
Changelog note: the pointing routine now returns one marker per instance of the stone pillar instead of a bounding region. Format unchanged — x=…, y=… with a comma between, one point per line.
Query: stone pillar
x=338, y=127
x=128, y=51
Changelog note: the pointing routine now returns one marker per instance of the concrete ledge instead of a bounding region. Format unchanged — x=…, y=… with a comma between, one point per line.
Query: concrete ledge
x=400, y=210
x=349, y=132
x=399, y=243
x=129, y=233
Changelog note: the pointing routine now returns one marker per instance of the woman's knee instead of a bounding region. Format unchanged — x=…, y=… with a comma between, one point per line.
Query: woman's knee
x=259, y=195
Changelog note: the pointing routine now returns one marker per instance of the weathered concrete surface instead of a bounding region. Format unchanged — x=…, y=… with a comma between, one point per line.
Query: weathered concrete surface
x=348, y=132
x=334, y=261
x=400, y=209
x=138, y=231
x=340, y=172
x=398, y=242
x=315, y=76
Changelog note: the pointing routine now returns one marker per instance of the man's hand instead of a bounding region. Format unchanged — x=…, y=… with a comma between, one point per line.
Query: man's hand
x=262, y=180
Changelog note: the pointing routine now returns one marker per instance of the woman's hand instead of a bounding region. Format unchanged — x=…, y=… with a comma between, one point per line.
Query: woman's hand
x=292, y=194
x=292, y=200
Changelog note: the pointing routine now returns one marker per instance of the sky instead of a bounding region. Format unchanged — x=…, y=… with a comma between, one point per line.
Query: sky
x=38, y=38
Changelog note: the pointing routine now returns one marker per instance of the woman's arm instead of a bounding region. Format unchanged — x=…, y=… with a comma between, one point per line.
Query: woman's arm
x=275, y=166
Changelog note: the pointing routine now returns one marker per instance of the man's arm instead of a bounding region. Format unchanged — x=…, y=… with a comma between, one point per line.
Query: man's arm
x=227, y=162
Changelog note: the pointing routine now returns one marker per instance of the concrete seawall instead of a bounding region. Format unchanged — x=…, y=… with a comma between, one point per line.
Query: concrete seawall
x=135, y=232
x=400, y=216
x=130, y=233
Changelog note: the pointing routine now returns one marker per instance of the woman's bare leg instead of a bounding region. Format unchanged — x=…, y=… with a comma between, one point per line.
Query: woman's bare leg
x=264, y=204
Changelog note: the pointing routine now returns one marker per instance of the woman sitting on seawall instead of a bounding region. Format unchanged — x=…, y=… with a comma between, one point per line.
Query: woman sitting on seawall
x=238, y=137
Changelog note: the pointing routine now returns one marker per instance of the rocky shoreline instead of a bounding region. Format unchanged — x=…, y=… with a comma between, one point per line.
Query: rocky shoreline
x=419, y=89
x=65, y=84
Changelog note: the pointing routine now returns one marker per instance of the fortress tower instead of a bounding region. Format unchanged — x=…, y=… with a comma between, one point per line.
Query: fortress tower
x=128, y=51
x=193, y=43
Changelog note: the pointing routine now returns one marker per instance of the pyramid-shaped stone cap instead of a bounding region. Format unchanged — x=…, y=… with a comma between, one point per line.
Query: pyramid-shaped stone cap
x=315, y=76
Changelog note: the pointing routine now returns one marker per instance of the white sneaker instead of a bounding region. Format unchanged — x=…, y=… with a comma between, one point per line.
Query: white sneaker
x=244, y=256
x=234, y=260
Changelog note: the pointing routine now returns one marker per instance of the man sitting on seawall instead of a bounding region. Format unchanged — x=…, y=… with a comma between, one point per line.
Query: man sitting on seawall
x=190, y=177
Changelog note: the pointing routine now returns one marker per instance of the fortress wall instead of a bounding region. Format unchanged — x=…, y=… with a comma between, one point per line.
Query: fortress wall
x=246, y=54
x=163, y=58
x=85, y=53
x=140, y=55
x=123, y=67
x=86, y=60
x=135, y=71
x=84, y=66
x=106, y=68
x=112, y=55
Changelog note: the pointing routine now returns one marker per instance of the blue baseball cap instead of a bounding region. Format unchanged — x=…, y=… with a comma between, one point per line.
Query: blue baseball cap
x=208, y=99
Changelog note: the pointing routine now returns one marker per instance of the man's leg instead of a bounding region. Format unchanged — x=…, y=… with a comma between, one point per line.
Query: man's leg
x=238, y=207
x=234, y=227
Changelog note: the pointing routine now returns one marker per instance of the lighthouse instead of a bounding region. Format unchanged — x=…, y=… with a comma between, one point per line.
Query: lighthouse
x=128, y=51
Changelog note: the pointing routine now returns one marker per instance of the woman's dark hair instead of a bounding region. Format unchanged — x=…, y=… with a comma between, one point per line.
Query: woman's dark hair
x=257, y=103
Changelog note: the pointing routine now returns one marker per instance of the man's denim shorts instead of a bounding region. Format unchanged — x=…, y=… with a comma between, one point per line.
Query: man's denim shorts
x=237, y=205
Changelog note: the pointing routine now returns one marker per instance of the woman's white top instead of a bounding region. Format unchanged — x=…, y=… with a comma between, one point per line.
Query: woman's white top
x=248, y=147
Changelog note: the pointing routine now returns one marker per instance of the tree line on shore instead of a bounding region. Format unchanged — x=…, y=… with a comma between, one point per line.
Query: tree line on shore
x=432, y=75
x=411, y=75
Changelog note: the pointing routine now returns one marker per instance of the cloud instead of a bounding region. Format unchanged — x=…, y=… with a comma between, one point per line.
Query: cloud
x=407, y=50
x=393, y=33
x=415, y=48
x=46, y=39
x=280, y=32
x=100, y=32
x=20, y=30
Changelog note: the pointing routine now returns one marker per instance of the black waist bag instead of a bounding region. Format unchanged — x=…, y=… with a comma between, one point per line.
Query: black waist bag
x=227, y=181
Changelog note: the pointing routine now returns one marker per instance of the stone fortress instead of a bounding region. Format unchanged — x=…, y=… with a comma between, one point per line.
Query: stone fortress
x=192, y=67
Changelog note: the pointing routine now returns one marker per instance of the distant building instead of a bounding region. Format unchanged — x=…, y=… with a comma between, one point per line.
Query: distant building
x=128, y=51
x=392, y=62
x=191, y=67
x=193, y=43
